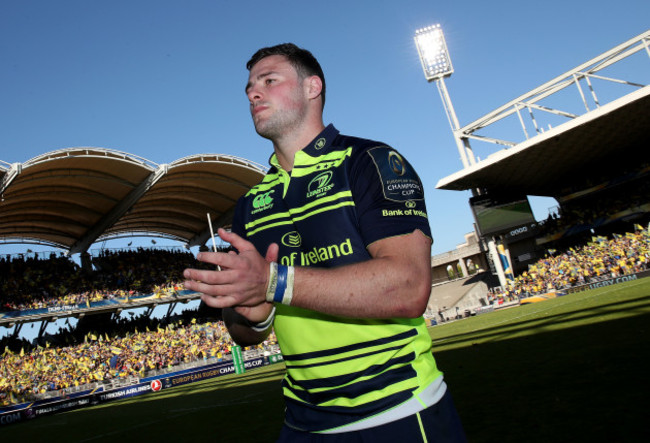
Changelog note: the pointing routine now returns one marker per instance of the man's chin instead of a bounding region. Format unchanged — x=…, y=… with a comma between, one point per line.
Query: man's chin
x=264, y=132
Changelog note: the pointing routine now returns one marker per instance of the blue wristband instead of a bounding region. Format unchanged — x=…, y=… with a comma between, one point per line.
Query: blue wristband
x=281, y=285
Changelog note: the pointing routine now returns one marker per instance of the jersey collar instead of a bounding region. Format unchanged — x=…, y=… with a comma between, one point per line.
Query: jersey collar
x=317, y=147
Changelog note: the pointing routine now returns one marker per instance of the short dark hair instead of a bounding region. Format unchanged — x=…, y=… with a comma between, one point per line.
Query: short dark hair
x=301, y=59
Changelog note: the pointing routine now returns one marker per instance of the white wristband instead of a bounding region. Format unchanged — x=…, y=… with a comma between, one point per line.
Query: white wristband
x=288, y=292
x=280, y=286
x=273, y=281
x=261, y=327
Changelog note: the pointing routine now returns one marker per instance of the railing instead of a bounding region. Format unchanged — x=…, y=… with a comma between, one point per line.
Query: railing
x=578, y=77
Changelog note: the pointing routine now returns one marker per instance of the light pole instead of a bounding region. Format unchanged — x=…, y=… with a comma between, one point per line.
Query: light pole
x=436, y=63
x=432, y=48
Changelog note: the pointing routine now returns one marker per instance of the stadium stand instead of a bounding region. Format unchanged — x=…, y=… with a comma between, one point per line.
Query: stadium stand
x=598, y=259
x=33, y=283
x=122, y=350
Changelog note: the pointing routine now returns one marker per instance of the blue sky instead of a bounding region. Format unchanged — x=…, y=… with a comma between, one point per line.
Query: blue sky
x=165, y=79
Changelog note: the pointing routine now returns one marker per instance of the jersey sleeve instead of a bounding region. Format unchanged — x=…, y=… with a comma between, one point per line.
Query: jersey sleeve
x=388, y=195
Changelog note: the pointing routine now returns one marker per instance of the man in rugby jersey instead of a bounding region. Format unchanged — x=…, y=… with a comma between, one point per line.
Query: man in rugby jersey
x=333, y=251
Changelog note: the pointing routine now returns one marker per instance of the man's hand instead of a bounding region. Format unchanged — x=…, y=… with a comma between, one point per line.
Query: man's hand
x=242, y=281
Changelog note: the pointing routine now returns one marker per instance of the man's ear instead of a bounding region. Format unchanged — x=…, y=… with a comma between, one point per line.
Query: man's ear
x=313, y=86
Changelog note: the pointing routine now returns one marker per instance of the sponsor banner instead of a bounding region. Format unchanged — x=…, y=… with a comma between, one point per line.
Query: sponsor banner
x=23, y=411
x=130, y=391
x=35, y=410
x=188, y=371
x=609, y=282
x=205, y=373
x=50, y=310
x=237, y=360
x=10, y=417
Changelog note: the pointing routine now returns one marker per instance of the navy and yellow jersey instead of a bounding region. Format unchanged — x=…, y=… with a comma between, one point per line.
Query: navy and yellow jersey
x=343, y=194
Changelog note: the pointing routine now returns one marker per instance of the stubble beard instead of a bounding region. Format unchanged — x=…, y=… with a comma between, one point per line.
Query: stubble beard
x=282, y=122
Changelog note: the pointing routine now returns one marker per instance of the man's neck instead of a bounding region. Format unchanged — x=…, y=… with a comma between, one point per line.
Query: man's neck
x=286, y=148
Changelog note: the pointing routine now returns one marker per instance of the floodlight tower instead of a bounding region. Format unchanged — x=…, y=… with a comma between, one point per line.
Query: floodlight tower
x=436, y=63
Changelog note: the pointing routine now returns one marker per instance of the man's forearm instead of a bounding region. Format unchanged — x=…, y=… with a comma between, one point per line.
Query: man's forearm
x=396, y=282
x=373, y=289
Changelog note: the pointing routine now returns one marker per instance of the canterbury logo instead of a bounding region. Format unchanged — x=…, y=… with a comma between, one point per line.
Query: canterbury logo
x=263, y=200
x=292, y=239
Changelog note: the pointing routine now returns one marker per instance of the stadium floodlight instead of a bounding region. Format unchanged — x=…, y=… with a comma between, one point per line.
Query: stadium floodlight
x=436, y=63
x=433, y=52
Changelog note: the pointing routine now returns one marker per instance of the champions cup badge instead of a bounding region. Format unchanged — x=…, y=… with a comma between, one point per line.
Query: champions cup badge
x=396, y=163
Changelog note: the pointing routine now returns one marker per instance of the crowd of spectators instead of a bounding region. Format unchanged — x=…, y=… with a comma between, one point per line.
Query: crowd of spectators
x=105, y=348
x=602, y=257
x=102, y=357
x=35, y=283
x=606, y=200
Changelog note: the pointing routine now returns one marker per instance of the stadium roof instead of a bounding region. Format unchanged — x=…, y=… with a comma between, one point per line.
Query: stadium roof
x=71, y=198
x=608, y=138
x=613, y=137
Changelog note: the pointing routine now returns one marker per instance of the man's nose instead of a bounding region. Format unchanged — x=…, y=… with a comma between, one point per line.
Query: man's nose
x=253, y=94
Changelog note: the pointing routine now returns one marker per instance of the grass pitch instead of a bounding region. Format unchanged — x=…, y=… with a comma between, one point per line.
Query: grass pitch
x=569, y=369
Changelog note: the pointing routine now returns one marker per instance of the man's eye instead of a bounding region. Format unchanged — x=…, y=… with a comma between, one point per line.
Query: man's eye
x=269, y=81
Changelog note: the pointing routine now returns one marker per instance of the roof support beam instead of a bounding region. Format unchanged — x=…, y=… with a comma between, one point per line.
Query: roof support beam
x=118, y=211
x=170, y=309
x=43, y=327
x=12, y=173
x=17, y=329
